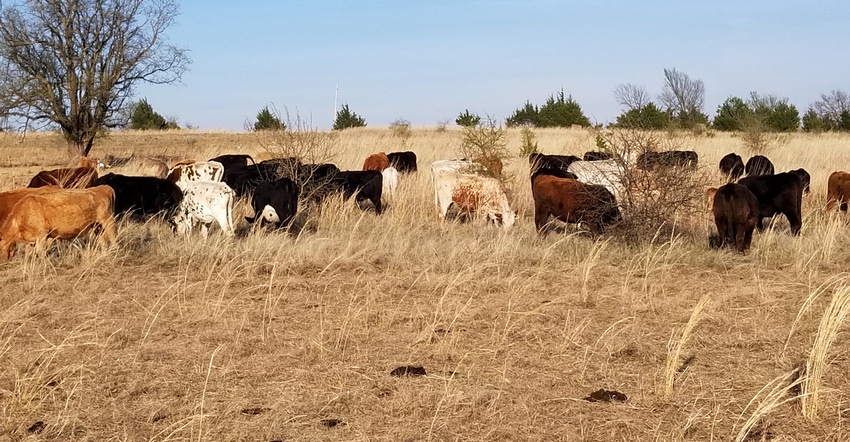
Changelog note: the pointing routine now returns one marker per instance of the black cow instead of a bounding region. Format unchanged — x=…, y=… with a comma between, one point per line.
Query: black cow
x=275, y=202
x=543, y=161
x=780, y=193
x=403, y=162
x=595, y=155
x=732, y=166
x=233, y=161
x=805, y=178
x=736, y=213
x=365, y=184
x=244, y=180
x=557, y=172
x=759, y=165
x=142, y=196
x=654, y=161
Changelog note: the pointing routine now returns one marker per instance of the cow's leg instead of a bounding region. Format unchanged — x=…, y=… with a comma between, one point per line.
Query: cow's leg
x=748, y=237
x=541, y=217
x=205, y=230
x=7, y=250
x=108, y=232
x=795, y=219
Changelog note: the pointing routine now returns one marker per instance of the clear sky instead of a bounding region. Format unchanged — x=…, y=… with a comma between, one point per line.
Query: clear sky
x=428, y=60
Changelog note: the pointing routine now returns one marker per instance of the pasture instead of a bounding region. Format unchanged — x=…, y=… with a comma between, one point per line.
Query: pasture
x=267, y=337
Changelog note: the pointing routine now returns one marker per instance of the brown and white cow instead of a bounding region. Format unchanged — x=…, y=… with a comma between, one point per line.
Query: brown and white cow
x=58, y=213
x=182, y=174
x=469, y=192
x=204, y=202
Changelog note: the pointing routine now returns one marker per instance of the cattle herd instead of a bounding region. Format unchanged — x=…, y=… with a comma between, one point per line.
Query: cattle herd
x=68, y=202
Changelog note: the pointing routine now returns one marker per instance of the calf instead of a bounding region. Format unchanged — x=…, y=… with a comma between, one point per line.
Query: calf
x=58, y=213
x=759, y=165
x=142, y=196
x=736, y=213
x=275, y=202
x=572, y=201
x=204, y=202
x=404, y=162
x=732, y=166
x=780, y=193
x=838, y=190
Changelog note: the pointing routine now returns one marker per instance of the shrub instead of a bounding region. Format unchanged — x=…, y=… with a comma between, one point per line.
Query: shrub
x=528, y=115
x=143, y=117
x=345, y=119
x=648, y=117
x=529, y=142
x=466, y=119
x=486, y=144
x=267, y=120
x=400, y=128
x=561, y=111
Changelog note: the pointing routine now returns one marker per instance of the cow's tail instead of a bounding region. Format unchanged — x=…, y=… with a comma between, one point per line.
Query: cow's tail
x=731, y=237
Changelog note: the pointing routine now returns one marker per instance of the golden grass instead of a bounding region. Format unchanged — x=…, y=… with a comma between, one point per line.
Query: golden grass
x=267, y=336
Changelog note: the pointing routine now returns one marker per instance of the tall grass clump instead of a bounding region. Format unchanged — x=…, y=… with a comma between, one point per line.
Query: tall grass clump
x=770, y=397
x=676, y=345
x=831, y=322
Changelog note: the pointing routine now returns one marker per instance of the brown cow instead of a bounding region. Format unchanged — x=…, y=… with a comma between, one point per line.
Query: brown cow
x=736, y=213
x=572, y=201
x=61, y=213
x=377, y=161
x=838, y=191
x=69, y=177
x=9, y=198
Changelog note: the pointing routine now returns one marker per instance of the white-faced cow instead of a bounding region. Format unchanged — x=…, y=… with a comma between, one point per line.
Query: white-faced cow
x=469, y=193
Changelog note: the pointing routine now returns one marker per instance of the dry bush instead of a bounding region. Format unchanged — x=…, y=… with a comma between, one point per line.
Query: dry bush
x=487, y=144
x=662, y=202
x=299, y=140
x=759, y=139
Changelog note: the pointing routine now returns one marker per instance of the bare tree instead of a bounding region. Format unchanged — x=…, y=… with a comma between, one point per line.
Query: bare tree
x=831, y=107
x=683, y=96
x=73, y=63
x=631, y=96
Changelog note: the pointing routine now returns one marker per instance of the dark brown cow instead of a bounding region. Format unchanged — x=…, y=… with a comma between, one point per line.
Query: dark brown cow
x=377, y=161
x=60, y=213
x=736, y=213
x=838, y=190
x=732, y=166
x=572, y=201
x=78, y=177
x=780, y=193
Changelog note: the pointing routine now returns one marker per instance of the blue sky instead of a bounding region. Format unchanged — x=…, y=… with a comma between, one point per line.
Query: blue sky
x=427, y=61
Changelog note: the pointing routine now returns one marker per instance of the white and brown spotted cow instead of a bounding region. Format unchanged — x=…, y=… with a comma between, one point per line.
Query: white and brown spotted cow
x=469, y=192
x=182, y=174
x=204, y=202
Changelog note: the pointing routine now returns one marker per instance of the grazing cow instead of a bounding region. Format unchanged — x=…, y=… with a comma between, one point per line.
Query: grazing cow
x=608, y=173
x=759, y=165
x=204, y=202
x=58, y=213
x=732, y=166
x=275, y=202
x=780, y=193
x=805, y=178
x=736, y=213
x=377, y=161
x=231, y=161
x=9, y=198
x=837, y=191
x=404, y=162
x=389, y=180
x=543, y=161
x=364, y=185
x=595, y=155
x=142, y=196
x=656, y=161
x=469, y=193
x=152, y=167
x=67, y=178
x=572, y=201
x=183, y=174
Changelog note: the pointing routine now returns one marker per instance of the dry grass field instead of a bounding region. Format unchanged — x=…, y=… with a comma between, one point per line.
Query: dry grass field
x=266, y=337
